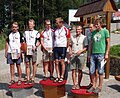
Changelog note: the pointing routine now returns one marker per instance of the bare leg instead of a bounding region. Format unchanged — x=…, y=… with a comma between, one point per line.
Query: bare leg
x=12, y=71
x=34, y=70
x=100, y=81
x=51, y=68
x=57, y=68
x=63, y=68
x=96, y=77
x=45, y=65
x=93, y=79
x=28, y=70
x=19, y=72
x=74, y=76
x=79, y=76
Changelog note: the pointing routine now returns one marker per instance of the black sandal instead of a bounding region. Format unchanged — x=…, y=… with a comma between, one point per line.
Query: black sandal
x=19, y=82
x=27, y=82
x=56, y=79
x=11, y=82
x=60, y=80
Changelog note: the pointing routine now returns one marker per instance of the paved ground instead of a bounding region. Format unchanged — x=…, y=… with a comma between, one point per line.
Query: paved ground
x=111, y=87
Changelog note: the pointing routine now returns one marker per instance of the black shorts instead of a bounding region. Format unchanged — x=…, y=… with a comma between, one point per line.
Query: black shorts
x=60, y=52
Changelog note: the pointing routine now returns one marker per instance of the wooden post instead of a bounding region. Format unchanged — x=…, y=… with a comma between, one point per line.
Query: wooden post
x=107, y=67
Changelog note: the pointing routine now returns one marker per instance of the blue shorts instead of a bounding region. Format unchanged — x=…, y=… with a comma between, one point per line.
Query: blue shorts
x=59, y=52
x=95, y=62
x=11, y=61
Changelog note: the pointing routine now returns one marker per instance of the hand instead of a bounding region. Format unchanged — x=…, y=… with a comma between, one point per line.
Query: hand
x=106, y=56
x=18, y=56
x=78, y=53
x=6, y=54
x=34, y=48
x=71, y=55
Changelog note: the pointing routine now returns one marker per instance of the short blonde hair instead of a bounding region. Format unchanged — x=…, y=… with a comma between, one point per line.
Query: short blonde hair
x=59, y=19
x=47, y=20
x=15, y=23
x=31, y=20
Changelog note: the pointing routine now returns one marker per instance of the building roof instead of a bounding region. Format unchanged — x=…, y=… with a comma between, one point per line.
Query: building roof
x=96, y=6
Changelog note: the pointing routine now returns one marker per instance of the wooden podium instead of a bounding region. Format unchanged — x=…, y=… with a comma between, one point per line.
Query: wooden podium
x=21, y=91
x=53, y=90
x=81, y=93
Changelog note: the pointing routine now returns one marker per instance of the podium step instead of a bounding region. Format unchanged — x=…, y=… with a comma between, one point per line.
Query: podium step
x=53, y=90
x=21, y=91
x=81, y=93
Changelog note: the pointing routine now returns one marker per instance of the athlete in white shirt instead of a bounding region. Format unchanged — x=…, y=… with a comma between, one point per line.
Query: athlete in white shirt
x=61, y=42
x=13, y=52
x=32, y=39
x=47, y=47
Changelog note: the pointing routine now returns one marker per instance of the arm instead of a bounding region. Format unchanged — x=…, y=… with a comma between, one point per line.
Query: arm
x=107, y=48
x=81, y=51
x=42, y=45
x=6, y=48
x=68, y=38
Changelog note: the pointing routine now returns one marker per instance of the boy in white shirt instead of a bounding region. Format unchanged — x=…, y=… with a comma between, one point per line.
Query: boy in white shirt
x=13, y=52
x=32, y=39
x=47, y=47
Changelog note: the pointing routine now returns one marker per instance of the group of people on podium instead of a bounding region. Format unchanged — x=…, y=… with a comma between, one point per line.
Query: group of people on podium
x=60, y=48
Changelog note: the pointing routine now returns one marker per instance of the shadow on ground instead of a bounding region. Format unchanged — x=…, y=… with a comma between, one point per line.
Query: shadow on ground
x=4, y=86
x=116, y=87
x=39, y=91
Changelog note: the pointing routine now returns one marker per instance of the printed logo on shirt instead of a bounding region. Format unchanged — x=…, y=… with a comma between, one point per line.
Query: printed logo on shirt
x=97, y=37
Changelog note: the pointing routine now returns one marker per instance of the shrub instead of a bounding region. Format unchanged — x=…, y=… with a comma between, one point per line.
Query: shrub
x=115, y=50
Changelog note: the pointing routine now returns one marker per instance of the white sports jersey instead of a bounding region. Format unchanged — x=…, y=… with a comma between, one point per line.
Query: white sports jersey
x=14, y=42
x=31, y=37
x=47, y=36
x=61, y=35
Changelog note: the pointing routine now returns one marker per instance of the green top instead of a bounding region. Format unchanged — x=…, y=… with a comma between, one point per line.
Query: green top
x=99, y=40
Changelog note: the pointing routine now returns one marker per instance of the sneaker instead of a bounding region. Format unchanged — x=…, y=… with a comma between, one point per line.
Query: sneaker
x=51, y=78
x=97, y=90
x=91, y=89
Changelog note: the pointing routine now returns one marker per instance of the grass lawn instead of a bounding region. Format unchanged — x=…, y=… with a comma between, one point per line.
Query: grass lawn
x=2, y=42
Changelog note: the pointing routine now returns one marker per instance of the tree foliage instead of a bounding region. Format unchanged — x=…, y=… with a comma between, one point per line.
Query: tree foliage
x=39, y=10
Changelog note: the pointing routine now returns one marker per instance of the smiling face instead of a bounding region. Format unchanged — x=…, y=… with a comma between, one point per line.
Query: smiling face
x=78, y=30
x=98, y=24
x=91, y=27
